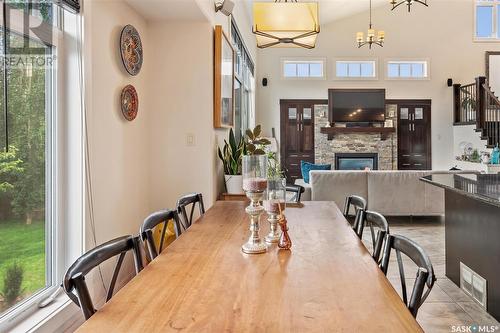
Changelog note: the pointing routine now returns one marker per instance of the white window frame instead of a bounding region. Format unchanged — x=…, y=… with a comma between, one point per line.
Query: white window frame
x=64, y=215
x=495, y=38
x=356, y=60
x=408, y=61
x=303, y=60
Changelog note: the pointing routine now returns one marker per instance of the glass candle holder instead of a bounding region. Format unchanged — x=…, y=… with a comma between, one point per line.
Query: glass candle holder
x=254, y=185
x=274, y=205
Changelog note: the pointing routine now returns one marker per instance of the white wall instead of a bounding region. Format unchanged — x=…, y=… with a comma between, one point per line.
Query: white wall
x=423, y=33
x=181, y=87
x=144, y=165
x=119, y=149
x=181, y=101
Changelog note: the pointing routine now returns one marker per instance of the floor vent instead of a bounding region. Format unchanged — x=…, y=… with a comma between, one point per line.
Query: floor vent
x=473, y=285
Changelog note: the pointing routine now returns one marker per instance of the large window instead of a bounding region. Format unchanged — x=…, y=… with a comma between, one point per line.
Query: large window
x=356, y=69
x=25, y=165
x=29, y=258
x=487, y=20
x=303, y=69
x=244, y=85
x=409, y=70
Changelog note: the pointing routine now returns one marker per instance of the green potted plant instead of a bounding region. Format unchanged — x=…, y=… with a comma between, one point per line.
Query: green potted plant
x=231, y=157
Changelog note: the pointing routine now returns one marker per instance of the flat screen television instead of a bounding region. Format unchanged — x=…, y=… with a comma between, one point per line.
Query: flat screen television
x=356, y=105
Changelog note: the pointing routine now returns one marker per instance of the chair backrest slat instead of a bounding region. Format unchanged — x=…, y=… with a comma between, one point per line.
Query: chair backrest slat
x=425, y=274
x=374, y=219
x=115, y=275
x=158, y=219
x=74, y=280
x=297, y=191
x=185, y=201
x=360, y=204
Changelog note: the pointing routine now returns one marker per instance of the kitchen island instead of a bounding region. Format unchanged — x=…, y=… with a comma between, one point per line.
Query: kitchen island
x=472, y=233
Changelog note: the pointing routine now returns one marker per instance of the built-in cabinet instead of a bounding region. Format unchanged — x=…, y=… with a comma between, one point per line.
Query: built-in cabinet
x=297, y=135
x=414, y=135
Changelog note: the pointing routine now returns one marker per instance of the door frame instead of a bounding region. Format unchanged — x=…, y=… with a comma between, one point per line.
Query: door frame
x=426, y=102
x=487, y=62
x=282, y=141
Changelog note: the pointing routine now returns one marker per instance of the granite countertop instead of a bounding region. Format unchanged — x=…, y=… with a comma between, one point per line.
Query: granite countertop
x=483, y=187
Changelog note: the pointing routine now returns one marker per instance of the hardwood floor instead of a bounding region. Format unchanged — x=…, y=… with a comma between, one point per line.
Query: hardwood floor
x=447, y=305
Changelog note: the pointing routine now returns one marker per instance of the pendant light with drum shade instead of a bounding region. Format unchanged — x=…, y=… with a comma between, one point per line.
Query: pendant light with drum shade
x=370, y=37
x=286, y=23
x=409, y=3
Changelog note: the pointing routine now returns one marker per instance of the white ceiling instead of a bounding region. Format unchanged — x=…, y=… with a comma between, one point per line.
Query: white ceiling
x=158, y=10
x=331, y=10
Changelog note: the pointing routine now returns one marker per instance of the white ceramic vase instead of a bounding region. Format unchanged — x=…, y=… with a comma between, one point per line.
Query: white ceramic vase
x=234, y=184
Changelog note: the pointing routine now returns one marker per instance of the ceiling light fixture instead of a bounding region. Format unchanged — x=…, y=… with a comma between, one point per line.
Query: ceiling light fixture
x=370, y=37
x=409, y=3
x=286, y=23
x=225, y=7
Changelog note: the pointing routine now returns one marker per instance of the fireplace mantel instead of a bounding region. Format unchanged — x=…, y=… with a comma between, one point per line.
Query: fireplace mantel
x=332, y=131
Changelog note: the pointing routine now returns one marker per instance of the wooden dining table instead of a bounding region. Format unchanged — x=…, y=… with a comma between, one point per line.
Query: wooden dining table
x=203, y=282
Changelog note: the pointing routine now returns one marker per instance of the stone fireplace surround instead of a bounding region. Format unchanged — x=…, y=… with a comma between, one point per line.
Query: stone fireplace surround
x=352, y=143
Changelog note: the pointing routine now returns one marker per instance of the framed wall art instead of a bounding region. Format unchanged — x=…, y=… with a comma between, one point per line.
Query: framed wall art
x=223, y=80
x=129, y=102
x=131, y=50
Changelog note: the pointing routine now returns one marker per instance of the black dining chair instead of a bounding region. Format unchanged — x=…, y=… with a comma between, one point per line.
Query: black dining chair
x=374, y=219
x=296, y=191
x=74, y=280
x=183, y=203
x=160, y=218
x=425, y=272
x=360, y=205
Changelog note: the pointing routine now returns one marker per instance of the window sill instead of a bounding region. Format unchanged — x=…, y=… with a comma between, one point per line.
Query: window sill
x=356, y=78
x=61, y=315
x=486, y=40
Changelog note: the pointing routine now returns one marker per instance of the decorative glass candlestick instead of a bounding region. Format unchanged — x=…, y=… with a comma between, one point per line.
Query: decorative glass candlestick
x=274, y=203
x=254, y=185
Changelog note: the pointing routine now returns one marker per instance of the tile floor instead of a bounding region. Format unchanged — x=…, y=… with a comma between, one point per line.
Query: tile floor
x=447, y=305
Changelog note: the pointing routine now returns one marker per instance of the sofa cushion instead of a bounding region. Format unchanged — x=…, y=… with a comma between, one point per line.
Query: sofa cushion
x=306, y=167
x=397, y=192
x=336, y=185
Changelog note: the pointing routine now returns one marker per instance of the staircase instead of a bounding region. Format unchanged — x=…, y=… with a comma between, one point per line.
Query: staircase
x=476, y=104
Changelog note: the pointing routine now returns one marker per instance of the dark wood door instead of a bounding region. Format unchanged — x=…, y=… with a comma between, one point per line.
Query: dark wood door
x=414, y=135
x=297, y=135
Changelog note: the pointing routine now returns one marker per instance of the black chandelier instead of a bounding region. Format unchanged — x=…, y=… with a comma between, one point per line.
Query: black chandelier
x=409, y=3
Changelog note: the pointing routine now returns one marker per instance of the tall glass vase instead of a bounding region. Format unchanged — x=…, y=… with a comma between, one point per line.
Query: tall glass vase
x=274, y=205
x=254, y=185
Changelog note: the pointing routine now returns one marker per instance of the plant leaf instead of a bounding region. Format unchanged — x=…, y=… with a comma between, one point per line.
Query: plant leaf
x=265, y=141
x=251, y=147
x=259, y=152
x=257, y=131
x=232, y=140
x=250, y=135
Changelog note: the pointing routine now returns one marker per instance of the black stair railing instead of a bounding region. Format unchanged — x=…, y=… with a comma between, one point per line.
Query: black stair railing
x=475, y=103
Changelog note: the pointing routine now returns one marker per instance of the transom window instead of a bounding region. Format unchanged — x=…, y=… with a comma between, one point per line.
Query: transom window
x=303, y=69
x=407, y=69
x=487, y=18
x=356, y=69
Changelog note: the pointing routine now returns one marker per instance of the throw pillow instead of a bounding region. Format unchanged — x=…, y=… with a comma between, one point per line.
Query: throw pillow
x=305, y=167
